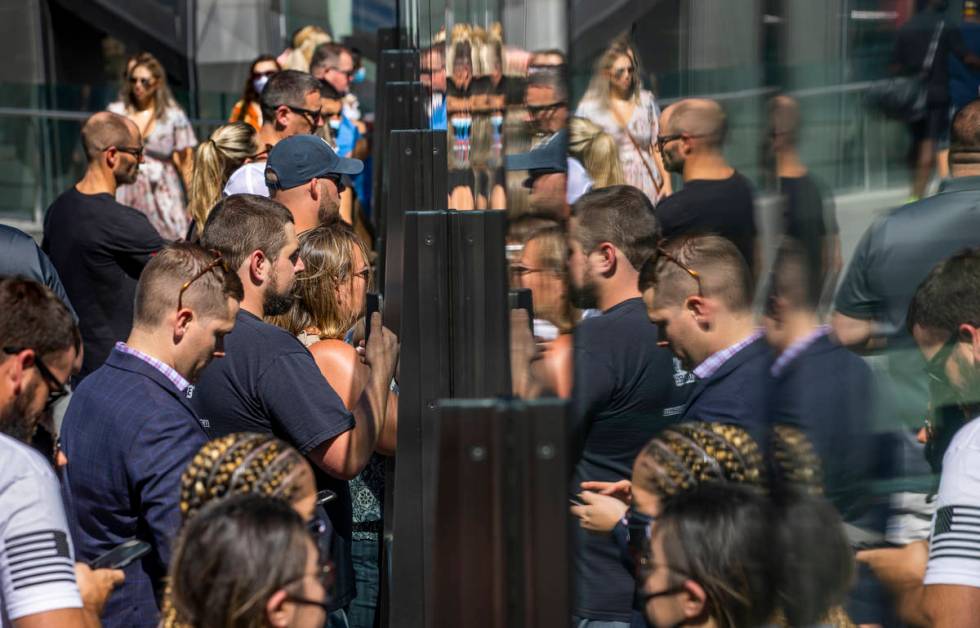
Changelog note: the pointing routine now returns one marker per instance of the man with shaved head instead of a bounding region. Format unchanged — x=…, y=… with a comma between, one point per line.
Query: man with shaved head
x=98, y=246
x=715, y=199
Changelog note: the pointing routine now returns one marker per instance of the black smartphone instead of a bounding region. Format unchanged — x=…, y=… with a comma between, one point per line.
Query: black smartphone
x=122, y=555
x=520, y=299
x=373, y=305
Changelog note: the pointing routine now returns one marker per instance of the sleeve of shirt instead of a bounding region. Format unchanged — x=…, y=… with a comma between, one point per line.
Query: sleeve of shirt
x=954, y=545
x=183, y=131
x=37, y=565
x=304, y=405
x=137, y=241
x=594, y=381
x=156, y=462
x=856, y=297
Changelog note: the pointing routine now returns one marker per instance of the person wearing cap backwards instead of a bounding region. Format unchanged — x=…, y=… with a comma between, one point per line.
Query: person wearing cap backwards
x=555, y=179
x=307, y=176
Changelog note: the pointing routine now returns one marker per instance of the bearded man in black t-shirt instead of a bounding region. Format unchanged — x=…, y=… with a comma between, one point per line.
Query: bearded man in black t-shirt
x=715, y=199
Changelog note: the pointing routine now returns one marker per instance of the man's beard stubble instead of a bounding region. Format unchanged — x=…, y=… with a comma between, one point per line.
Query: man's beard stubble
x=276, y=302
x=19, y=423
x=584, y=297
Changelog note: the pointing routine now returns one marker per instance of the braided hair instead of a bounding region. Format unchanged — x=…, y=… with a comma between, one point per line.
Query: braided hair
x=686, y=455
x=239, y=463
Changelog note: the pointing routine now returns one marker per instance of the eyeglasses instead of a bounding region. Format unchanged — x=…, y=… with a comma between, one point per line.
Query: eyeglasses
x=325, y=575
x=56, y=388
x=338, y=181
x=145, y=82
x=217, y=261
x=313, y=117
x=135, y=152
x=687, y=269
x=618, y=73
x=535, y=175
x=536, y=110
x=663, y=140
x=644, y=597
x=364, y=274
x=936, y=367
x=521, y=270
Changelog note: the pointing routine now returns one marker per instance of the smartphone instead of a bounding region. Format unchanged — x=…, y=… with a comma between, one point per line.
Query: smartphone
x=122, y=555
x=373, y=305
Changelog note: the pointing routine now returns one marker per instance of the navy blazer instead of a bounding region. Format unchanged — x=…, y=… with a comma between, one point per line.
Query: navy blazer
x=128, y=435
x=737, y=393
x=826, y=391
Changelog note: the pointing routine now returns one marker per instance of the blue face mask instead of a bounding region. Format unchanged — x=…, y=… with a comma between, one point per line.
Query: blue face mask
x=359, y=76
x=334, y=124
x=259, y=83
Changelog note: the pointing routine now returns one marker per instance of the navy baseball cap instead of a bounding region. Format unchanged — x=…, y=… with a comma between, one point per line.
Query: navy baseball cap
x=550, y=155
x=301, y=158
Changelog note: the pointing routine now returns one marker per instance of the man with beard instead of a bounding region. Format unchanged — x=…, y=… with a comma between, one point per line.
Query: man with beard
x=715, y=197
x=269, y=383
x=98, y=246
x=40, y=584
x=626, y=388
x=130, y=432
x=306, y=175
x=937, y=582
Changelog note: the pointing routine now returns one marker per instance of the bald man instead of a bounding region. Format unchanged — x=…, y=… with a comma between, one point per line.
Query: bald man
x=715, y=199
x=98, y=246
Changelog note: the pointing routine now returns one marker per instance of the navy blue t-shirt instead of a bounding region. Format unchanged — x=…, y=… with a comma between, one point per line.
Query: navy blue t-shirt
x=269, y=383
x=627, y=389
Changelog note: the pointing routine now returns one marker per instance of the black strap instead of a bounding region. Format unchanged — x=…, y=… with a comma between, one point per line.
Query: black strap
x=933, y=46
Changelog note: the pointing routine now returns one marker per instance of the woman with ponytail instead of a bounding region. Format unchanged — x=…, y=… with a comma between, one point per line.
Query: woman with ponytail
x=229, y=147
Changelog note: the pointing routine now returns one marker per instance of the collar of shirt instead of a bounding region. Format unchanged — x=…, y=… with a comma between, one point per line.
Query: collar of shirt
x=168, y=371
x=716, y=360
x=796, y=349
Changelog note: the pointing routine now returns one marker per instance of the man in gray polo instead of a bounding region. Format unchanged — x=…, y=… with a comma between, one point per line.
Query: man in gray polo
x=892, y=259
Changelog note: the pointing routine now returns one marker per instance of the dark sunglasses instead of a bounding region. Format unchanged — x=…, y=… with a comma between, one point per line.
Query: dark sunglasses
x=313, y=117
x=687, y=269
x=348, y=73
x=56, y=388
x=338, y=180
x=135, y=152
x=266, y=73
x=535, y=110
x=216, y=262
x=145, y=82
x=663, y=140
x=621, y=71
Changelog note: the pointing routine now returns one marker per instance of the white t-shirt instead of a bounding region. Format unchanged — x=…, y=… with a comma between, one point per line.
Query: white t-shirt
x=954, y=544
x=37, y=565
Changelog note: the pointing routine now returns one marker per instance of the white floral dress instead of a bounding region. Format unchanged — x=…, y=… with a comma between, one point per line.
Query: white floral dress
x=643, y=127
x=158, y=191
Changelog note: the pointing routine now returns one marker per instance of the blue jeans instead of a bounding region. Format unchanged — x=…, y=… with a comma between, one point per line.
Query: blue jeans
x=364, y=553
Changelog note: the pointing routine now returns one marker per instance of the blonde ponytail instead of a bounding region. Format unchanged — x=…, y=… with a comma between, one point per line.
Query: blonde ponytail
x=214, y=161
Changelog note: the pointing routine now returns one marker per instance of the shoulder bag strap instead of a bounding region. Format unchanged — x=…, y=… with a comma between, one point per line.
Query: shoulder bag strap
x=639, y=150
x=933, y=46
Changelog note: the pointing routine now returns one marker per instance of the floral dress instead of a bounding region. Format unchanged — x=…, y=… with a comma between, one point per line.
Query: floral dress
x=158, y=191
x=643, y=127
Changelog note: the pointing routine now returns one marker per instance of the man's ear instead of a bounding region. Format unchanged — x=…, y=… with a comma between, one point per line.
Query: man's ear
x=275, y=613
x=258, y=267
x=700, y=309
x=111, y=157
x=695, y=599
x=606, y=265
x=314, y=185
x=14, y=369
x=971, y=334
x=282, y=116
x=182, y=322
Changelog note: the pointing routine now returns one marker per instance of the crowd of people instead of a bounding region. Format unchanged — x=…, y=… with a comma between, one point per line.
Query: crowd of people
x=195, y=410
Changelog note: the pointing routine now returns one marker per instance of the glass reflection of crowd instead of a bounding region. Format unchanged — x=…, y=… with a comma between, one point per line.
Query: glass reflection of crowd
x=765, y=437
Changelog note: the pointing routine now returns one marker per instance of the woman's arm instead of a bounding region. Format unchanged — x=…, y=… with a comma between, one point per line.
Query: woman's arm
x=184, y=160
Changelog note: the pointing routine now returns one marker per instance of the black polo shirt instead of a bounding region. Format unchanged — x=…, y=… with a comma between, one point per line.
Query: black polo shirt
x=99, y=248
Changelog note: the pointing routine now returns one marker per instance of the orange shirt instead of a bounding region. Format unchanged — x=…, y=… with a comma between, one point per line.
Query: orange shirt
x=253, y=115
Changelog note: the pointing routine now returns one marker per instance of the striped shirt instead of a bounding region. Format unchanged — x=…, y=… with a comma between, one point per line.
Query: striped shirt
x=717, y=359
x=954, y=545
x=168, y=371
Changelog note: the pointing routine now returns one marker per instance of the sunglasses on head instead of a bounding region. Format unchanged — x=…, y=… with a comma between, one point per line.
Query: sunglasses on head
x=215, y=263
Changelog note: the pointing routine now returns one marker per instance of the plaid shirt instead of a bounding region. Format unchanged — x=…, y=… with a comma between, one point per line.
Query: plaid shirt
x=796, y=349
x=716, y=360
x=168, y=371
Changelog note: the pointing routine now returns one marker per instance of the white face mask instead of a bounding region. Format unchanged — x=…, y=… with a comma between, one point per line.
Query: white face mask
x=259, y=83
x=334, y=124
x=496, y=120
